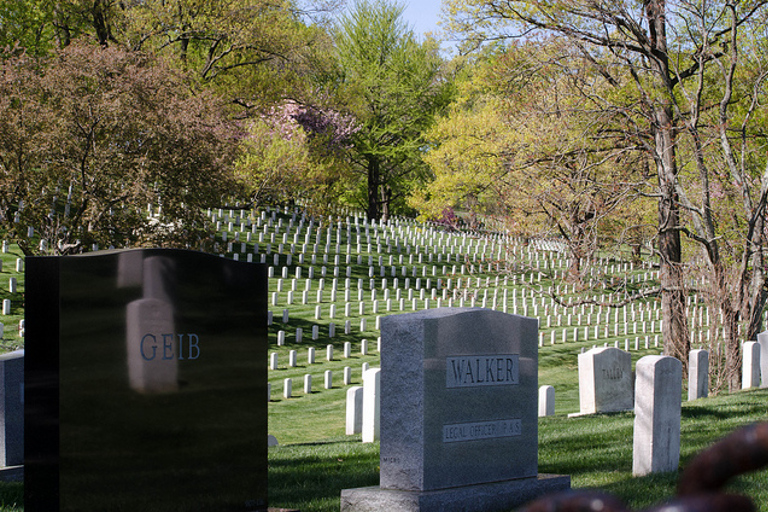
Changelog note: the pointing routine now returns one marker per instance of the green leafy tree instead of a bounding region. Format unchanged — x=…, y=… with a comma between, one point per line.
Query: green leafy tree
x=254, y=52
x=524, y=144
x=91, y=136
x=678, y=76
x=395, y=87
x=27, y=25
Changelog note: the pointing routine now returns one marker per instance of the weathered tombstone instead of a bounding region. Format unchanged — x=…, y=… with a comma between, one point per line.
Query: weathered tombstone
x=750, y=373
x=546, y=401
x=354, y=418
x=138, y=364
x=605, y=381
x=656, y=446
x=762, y=340
x=698, y=374
x=458, y=414
x=371, y=404
x=12, y=414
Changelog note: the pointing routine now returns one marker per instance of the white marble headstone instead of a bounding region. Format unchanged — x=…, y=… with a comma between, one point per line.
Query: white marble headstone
x=605, y=381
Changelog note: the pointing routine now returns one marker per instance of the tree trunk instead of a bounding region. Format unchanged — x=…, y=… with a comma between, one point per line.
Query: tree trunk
x=374, y=176
x=671, y=276
x=732, y=347
x=100, y=23
x=386, y=199
x=756, y=291
x=674, y=324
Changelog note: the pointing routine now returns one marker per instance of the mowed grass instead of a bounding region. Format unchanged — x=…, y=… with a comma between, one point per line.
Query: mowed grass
x=315, y=460
x=596, y=451
x=10, y=340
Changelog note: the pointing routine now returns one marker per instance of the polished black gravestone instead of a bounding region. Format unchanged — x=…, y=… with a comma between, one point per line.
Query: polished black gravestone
x=145, y=379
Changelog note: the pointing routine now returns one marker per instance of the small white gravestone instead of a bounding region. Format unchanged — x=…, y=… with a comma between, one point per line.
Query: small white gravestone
x=605, y=381
x=371, y=404
x=656, y=447
x=354, y=423
x=762, y=340
x=311, y=355
x=546, y=401
x=698, y=374
x=750, y=369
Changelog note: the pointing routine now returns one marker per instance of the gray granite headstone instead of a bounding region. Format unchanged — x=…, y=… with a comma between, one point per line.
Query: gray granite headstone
x=459, y=414
x=12, y=414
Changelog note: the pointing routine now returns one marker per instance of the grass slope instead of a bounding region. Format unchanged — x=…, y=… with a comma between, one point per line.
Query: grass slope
x=595, y=450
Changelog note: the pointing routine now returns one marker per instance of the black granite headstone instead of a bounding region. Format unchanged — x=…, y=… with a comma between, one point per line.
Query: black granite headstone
x=145, y=377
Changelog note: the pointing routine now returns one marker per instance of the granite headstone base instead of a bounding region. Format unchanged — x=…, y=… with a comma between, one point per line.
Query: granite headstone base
x=486, y=497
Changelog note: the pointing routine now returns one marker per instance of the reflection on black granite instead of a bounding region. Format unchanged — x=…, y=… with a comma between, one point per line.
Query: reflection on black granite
x=162, y=379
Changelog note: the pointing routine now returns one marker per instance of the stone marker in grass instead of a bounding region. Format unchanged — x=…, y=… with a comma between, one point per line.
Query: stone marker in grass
x=458, y=413
x=605, y=381
x=698, y=374
x=12, y=414
x=657, y=415
x=750, y=373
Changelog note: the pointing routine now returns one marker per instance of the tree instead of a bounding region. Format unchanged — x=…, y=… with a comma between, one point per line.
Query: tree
x=296, y=153
x=689, y=96
x=394, y=88
x=254, y=52
x=630, y=42
x=524, y=140
x=93, y=135
x=26, y=24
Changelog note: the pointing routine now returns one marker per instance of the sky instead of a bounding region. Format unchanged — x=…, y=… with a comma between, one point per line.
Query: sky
x=423, y=15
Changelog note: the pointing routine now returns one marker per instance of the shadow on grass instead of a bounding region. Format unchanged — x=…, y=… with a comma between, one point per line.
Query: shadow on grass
x=311, y=476
x=11, y=496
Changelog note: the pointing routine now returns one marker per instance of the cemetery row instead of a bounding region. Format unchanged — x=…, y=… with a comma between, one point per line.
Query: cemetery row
x=312, y=305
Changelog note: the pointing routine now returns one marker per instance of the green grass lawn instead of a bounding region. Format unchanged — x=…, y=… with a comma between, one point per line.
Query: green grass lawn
x=11, y=340
x=315, y=460
x=596, y=451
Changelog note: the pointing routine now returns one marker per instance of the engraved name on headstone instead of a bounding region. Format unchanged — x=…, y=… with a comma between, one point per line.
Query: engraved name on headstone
x=459, y=422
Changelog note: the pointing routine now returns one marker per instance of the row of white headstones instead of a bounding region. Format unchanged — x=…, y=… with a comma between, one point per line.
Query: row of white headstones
x=12, y=288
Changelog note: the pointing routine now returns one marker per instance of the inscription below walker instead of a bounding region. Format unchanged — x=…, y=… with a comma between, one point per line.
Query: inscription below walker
x=491, y=370
x=483, y=430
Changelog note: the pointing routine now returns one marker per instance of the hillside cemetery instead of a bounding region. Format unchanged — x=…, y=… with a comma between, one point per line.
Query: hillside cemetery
x=332, y=281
